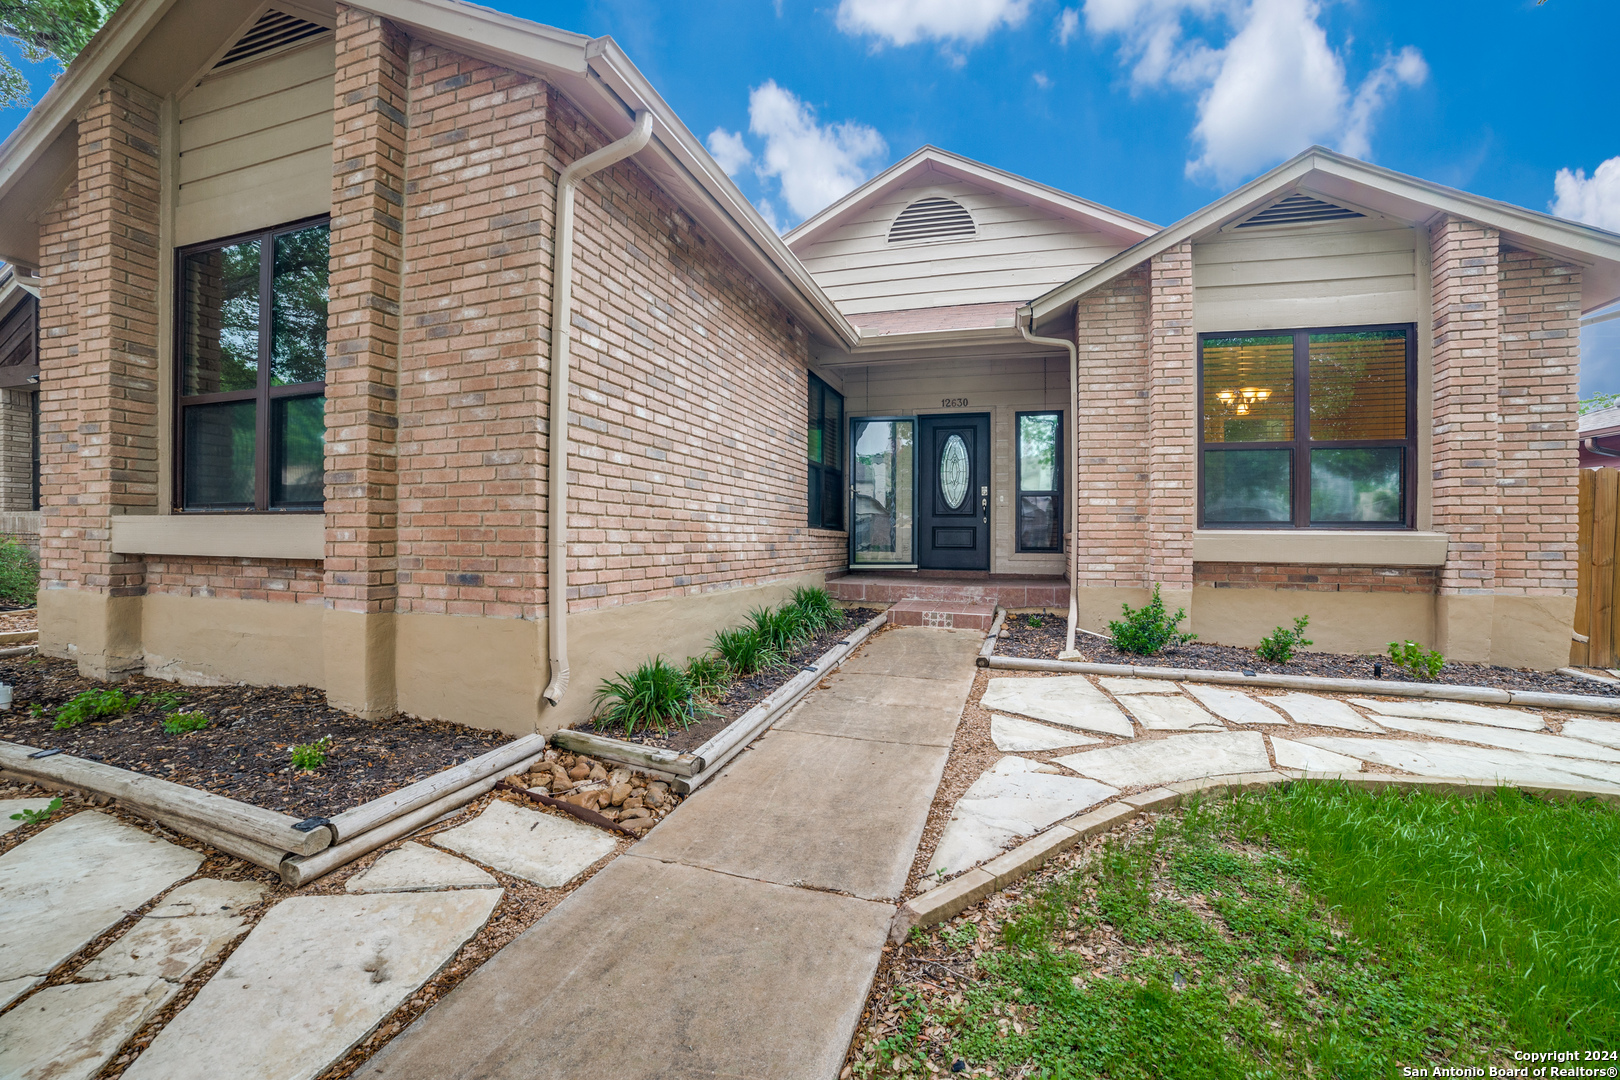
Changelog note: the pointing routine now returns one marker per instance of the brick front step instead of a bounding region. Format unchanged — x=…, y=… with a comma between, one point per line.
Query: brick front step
x=943, y=614
x=1011, y=593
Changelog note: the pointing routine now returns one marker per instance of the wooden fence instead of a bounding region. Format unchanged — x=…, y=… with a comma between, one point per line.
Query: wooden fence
x=1595, y=598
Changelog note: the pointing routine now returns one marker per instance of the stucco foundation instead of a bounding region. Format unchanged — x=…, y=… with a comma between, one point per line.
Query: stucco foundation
x=1344, y=622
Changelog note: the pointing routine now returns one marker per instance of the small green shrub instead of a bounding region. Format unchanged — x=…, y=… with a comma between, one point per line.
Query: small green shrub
x=1147, y=630
x=165, y=702
x=781, y=629
x=708, y=675
x=1279, y=646
x=818, y=609
x=744, y=650
x=1035, y=621
x=34, y=817
x=93, y=705
x=311, y=756
x=655, y=695
x=19, y=574
x=182, y=722
x=1413, y=658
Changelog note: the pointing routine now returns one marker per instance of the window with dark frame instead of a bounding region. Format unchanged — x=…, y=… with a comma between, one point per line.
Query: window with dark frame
x=825, y=450
x=251, y=354
x=1308, y=428
x=1040, y=481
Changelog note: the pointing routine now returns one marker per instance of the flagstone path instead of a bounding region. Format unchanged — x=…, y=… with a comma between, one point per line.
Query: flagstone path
x=739, y=939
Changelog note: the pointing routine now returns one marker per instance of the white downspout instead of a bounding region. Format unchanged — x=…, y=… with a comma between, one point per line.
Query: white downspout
x=1071, y=456
x=561, y=304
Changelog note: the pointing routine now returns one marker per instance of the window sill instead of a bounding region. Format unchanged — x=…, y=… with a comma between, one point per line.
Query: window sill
x=229, y=536
x=1331, y=547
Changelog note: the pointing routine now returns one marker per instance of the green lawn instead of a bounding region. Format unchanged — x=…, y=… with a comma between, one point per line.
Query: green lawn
x=1313, y=931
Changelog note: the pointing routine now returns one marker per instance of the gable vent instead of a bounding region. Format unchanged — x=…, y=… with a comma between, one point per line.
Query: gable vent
x=1296, y=210
x=934, y=218
x=274, y=30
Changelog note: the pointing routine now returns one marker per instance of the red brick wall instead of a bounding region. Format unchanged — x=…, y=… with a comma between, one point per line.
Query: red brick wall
x=1111, y=436
x=98, y=322
x=1397, y=579
x=276, y=580
x=1466, y=391
x=1540, y=343
x=689, y=379
x=1172, y=419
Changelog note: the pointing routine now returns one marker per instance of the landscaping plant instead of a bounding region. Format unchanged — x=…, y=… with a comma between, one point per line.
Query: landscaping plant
x=1413, y=658
x=19, y=574
x=34, y=817
x=708, y=675
x=94, y=705
x=781, y=628
x=181, y=722
x=311, y=756
x=1148, y=630
x=1279, y=646
x=656, y=695
x=744, y=651
x=817, y=608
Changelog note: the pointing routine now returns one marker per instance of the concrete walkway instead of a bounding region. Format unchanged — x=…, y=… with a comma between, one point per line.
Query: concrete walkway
x=741, y=937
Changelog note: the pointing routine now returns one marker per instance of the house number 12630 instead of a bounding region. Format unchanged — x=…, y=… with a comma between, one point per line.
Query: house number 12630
x=953, y=402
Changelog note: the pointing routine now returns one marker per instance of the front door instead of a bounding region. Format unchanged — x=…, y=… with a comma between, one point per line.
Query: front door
x=953, y=492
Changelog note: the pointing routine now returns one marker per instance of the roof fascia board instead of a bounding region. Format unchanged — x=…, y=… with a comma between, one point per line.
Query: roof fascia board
x=77, y=86
x=1033, y=192
x=1555, y=236
x=501, y=39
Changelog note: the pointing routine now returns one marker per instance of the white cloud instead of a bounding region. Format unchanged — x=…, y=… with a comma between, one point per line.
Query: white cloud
x=1042, y=80
x=812, y=163
x=905, y=22
x=729, y=149
x=1594, y=200
x=1067, y=25
x=1275, y=86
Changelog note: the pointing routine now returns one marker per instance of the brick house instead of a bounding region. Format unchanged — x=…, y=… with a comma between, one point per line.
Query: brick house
x=324, y=290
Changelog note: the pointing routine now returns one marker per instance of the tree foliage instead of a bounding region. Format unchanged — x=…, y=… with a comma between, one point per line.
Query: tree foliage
x=47, y=30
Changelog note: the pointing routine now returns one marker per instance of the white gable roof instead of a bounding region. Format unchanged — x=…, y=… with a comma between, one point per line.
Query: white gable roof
x=1329, y=175
x=939, y=231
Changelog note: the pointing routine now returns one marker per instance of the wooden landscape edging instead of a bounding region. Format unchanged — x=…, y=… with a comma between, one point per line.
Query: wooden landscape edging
x=707, y=760
x=968, y=888
x=1488, y=695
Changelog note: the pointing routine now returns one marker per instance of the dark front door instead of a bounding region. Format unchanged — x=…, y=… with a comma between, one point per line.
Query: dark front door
x=953, y=492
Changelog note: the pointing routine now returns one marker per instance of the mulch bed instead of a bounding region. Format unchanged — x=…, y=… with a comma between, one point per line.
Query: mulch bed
x=243, y=753
x=743, y=694
x=1045, y=641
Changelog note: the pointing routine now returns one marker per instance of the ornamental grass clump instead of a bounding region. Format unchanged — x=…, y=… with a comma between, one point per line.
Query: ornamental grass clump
x=745, y=651
x=1279, y=646
x=1148, y=630
x=708, y=675
x=817, y=608
x=780, y=629
x=656, y=696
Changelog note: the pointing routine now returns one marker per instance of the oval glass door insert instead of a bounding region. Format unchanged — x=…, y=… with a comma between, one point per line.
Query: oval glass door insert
x=953, y=471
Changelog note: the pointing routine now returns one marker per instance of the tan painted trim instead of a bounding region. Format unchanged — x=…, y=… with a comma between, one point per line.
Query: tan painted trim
x=231, y=536
x=1320, y=547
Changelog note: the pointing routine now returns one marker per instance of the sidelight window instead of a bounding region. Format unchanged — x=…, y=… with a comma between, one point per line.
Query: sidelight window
x=252, y=371
x=1040, y=481
x=1307, y=428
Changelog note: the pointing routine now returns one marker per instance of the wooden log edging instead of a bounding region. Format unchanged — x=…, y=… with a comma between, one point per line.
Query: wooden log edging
x=688, y=772
x=1484, y=695
x=385, y=808
x=990, y=638
x=963, y=891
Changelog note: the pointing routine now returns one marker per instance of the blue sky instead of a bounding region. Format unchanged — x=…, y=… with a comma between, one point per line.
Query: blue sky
x=1154, y=107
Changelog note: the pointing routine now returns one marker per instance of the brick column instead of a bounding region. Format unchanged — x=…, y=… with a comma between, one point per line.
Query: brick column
x=1111, y=446
x=1172, y=425
x=1465, y=265
x=363, y=344
x=98, y=382
x=1538, y=470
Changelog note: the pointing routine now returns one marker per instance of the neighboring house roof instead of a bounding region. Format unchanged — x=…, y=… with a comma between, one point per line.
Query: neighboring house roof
x=1599, y=423
x=14, y=290
x=593, y=72
x=1332, y=175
